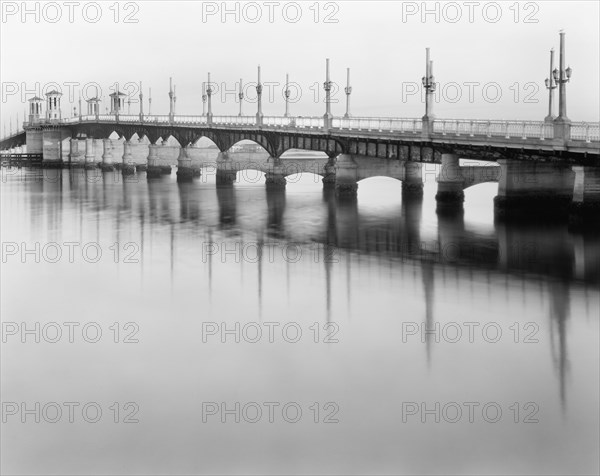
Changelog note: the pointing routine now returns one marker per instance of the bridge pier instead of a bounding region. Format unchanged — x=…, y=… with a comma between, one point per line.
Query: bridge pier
x=155, y=168
x=52, y=147
x=275, y=175
x=107, y=157
x=450, y=196
x=140, y=156
x=76, y=155
x=585, y=207
x=35, y=141
x=162, y=153
x=533, y=190
x=128, y=166
x=412, y=185
x=187, y=168
x=329, y=177
x=90, y=154
x=346, y=176
x=226, y=172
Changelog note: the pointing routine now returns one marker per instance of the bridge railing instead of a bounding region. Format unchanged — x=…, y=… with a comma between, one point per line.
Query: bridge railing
x=191, y=120
x=506, y=129
x=307, y=122
x=235, y=120
x=391, y=124
x=585, y=131
x=129, y=118
x=278, y=121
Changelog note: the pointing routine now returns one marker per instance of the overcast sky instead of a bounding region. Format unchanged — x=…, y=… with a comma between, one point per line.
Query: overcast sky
x=504, y=50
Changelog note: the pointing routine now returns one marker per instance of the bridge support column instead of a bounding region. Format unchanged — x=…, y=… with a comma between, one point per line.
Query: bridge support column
x=127, y=167
x=52, y=147
x=275, y=176
x=346, y=176
x=34, y=141
x=162, y=153
x=329, y=177
x=155, y=169
x=529, y=190
x=186, y=168
x=450, y=195
x=226, y=172
x=90, y=154
x=585, y=208
x=107, y=156
x=412, y=185
x=76, y=157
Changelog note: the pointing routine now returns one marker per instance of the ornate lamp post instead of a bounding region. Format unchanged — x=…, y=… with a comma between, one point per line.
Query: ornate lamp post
x=550, y=86
x=79, y=106
x=209, y=115
x=348, y=91
x=241, y=97
x=141, y=104
x=327, y=117
x=204, y=99
x=428, y=82
x=286, y=93
x=259, y=114
x=174, y=100
x=562, y=124
x=149, y=101
x=171, y=103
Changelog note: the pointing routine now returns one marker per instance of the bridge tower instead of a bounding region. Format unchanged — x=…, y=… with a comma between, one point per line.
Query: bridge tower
x=53, y=111
x=117, y=103
x=93, y=107
x=35, y=109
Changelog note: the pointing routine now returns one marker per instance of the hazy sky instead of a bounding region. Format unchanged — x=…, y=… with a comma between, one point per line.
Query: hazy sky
x=504, y=50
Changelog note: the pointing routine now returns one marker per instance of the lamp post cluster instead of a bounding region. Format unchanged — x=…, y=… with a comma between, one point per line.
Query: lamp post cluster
x=559, y=77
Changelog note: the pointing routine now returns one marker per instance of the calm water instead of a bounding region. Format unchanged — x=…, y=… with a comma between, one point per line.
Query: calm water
x=180, y=263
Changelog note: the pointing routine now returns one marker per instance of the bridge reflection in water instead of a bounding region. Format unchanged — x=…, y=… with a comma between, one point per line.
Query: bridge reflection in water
x=212, y=245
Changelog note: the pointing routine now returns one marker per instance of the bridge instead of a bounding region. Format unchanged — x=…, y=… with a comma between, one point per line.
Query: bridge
x=549, y=167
